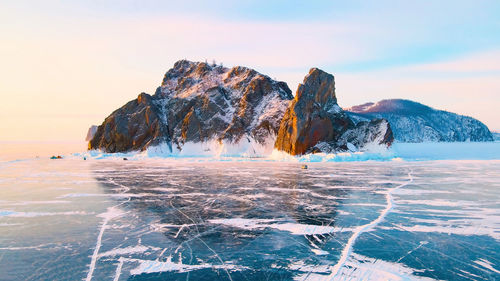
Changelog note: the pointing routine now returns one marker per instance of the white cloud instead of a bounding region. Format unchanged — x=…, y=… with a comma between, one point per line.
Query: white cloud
x=475, y=63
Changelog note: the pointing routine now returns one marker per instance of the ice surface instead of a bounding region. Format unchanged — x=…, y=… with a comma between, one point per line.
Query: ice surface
x=250, y=219
x=447, y=151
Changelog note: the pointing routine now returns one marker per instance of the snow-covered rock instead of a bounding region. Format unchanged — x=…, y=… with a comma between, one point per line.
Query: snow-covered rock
x=199, y=103
x=414, y=122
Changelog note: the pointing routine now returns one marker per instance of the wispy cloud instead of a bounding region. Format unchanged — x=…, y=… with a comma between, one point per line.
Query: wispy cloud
x=480, y=63
x=466, y=85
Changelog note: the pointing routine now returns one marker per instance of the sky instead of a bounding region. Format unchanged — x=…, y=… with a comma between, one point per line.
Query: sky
x=66, y=65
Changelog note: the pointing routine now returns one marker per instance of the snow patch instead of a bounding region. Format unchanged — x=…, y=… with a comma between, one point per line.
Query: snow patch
x=487, y=264
x=319, y=252
x=125, y=251
x=14, y=214
x=152, y=266
x=293, y=228
x=364, y=268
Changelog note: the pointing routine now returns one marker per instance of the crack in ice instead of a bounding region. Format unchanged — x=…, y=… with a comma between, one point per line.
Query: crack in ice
x=346, y=252
x=118, y=271
x=202, y=241
x=422, y=243
x=111, y=213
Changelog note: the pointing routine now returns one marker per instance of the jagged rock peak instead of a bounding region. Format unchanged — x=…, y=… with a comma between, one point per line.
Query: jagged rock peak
x=313, y=115
x=318, y=85
x=201, y=75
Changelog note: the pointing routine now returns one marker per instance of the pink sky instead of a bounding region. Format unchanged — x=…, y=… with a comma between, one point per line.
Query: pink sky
x=62, y=72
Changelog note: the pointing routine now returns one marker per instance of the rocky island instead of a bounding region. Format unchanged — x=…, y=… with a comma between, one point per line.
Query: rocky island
x=199, y=103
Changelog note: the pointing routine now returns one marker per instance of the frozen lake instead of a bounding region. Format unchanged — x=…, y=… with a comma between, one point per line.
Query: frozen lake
x=111, y=219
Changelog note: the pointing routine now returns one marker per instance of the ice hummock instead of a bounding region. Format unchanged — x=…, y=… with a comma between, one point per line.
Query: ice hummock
x=245, y=150
x=252, y=151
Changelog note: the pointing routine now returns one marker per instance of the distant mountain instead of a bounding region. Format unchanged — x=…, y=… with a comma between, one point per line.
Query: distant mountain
x=203, y=108
x=91, y=132
x=414, y=122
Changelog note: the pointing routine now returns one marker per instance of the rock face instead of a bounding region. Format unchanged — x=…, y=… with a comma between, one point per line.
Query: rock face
x=134, y=126
x=198, y=102
x=315, y=123
x=361, y=137
x=415, y=122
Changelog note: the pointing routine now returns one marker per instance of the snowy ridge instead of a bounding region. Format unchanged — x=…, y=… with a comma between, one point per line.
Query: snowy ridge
x=414, y=122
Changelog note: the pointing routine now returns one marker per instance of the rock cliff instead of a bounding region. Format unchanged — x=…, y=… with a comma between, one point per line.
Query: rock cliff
x=315, y=123
x=134, y=126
